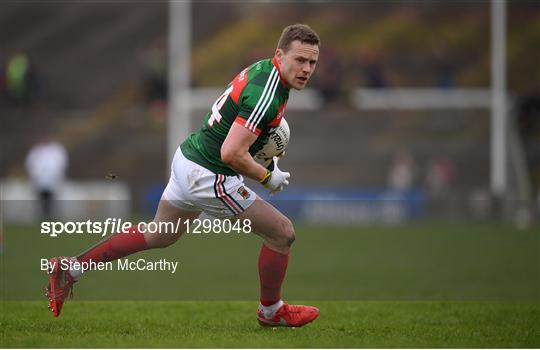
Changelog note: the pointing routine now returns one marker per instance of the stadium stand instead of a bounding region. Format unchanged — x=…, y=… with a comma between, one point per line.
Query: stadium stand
x=92, y=92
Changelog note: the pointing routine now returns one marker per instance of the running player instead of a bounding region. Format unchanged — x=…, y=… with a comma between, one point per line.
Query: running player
x=207, y=176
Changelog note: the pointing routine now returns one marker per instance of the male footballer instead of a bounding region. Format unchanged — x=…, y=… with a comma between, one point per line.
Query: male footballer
x=207, y=176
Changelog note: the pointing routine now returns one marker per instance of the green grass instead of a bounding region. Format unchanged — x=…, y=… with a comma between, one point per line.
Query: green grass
x=411, y=262
x=447, y=285
x=232, y=324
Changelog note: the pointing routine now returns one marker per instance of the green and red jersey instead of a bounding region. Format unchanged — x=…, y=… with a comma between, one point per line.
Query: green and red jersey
x=256, y=99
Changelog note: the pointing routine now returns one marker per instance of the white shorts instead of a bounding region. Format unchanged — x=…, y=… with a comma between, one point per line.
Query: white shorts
x=193, y=187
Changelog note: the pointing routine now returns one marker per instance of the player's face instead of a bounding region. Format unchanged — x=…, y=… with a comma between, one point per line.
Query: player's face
x=298, y=63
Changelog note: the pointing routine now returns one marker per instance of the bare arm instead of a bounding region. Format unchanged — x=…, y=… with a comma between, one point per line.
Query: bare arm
x=235, y=153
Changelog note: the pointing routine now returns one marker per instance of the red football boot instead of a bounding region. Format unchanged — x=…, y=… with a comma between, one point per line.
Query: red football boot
x=60, y=286
x=289, y=316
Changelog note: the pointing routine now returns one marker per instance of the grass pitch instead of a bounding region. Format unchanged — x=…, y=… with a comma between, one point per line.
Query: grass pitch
x=342, y=324
x=451, y=285
x=480, y=262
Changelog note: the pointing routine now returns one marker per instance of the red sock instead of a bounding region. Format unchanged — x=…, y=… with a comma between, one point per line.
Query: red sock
x=272, y=269
x=116, y=246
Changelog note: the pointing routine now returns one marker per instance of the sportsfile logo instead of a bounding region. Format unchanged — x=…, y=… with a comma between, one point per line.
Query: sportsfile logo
x=103, y=228
x=113, y=225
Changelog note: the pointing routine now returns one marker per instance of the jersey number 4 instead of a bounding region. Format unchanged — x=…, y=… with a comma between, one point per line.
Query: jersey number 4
x=216, y=116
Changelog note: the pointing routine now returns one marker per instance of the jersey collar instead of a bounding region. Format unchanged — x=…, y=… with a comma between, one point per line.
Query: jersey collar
x=275, y=63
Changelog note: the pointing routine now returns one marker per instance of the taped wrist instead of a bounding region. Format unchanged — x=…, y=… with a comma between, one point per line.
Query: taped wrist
x=266, y=177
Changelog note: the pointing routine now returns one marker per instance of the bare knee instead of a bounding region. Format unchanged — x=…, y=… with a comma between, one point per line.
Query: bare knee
x=290, y=235
x=285, y=236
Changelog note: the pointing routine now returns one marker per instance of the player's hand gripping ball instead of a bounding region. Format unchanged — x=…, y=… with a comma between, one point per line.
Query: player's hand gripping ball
x=278, y=139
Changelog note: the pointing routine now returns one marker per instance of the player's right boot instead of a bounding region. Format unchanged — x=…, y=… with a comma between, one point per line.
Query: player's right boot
x=289, y=316
x=60, y=285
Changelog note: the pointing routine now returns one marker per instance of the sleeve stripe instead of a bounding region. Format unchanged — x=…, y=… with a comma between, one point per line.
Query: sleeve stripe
x=262, y=100
x=242, y=121
x=251, y=124
x=274, y=88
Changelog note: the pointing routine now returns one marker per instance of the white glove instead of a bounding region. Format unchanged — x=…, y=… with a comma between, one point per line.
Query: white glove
x=276, y=180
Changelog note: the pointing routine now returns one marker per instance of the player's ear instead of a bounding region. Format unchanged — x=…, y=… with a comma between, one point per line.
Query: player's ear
x=279, y=55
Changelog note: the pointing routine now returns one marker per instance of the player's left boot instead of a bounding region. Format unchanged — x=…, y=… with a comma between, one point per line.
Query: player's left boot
x=289, y=316
x=60, y=286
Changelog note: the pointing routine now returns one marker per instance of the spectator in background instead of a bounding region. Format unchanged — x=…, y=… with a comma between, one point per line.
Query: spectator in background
x=444, y=68
x=329, y=75
x=528, y=115
x=440, y=173
x=21, y=80
x=402, y=171
x=46, y=164
x=373, y=73
x=154, y=61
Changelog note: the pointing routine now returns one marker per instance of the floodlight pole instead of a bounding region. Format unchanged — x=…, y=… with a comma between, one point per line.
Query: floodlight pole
x=179, y=76
x=498, y=100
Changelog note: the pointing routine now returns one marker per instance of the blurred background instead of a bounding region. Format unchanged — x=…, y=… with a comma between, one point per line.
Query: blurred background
x=395, y=127
x=93, y=77
x=400, y=99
